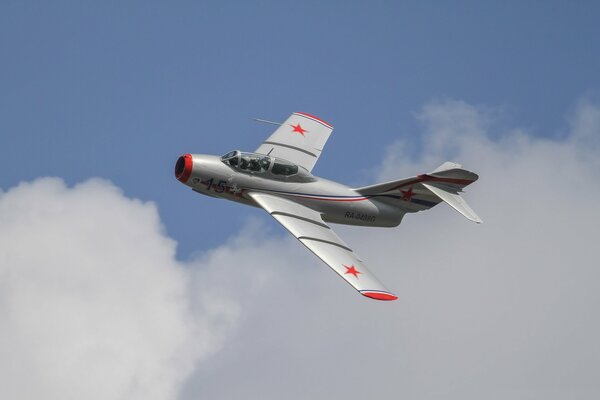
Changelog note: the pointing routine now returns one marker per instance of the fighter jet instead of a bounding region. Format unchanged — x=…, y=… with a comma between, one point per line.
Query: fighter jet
x=277, y=178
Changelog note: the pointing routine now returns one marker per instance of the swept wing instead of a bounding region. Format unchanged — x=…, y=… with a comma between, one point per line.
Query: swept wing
x=300, y=139
x=308, y=227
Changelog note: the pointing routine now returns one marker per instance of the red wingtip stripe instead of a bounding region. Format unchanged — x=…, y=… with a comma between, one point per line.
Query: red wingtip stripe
x=380, y=296
x=315, y=118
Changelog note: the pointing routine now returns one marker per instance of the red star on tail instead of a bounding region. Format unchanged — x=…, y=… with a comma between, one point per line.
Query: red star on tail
x=408, y=194
x=352, y=270
x=299, y=129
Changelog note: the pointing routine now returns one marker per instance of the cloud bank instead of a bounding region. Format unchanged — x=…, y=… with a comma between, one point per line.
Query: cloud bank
x=94, y=304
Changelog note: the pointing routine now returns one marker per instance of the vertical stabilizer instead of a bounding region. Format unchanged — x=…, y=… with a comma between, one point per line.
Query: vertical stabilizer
x=423, y=192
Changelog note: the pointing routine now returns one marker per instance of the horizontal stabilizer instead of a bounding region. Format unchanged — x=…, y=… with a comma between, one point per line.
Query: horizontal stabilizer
x=454, y=201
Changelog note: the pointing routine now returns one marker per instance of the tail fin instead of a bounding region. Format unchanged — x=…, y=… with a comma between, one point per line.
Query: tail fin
x=425, y=191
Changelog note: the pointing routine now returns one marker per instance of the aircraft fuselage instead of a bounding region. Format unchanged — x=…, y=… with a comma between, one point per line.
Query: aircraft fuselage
x=338, y=203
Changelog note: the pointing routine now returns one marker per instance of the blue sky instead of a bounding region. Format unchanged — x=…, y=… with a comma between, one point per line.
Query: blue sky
x=119, y=90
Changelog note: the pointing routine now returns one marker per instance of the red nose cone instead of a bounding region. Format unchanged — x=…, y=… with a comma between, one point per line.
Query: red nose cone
x=183, y=168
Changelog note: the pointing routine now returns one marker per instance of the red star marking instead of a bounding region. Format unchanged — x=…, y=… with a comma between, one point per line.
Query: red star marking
x=352, y=270
x=408, y=194
x=299, y=129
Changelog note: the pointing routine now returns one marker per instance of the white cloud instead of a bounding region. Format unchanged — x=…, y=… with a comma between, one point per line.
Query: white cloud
x=93, y=303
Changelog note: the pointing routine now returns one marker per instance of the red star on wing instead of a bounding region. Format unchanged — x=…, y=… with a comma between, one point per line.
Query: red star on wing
x=298, y=128
x=408, y=194
x=352, y=270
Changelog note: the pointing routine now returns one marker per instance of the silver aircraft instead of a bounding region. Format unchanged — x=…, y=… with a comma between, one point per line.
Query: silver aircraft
x=277, y=177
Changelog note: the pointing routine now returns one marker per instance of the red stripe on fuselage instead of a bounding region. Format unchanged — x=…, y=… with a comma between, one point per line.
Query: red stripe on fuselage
x=327, y=199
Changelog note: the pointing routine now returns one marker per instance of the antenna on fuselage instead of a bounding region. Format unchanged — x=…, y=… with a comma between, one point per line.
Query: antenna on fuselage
x=264, y=121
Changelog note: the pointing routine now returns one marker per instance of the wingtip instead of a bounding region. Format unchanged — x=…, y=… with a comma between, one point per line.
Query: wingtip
x=385, y=296
x=314, y=118
x=475, y=218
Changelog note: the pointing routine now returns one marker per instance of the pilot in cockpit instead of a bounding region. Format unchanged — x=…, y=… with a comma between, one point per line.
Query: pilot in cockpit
x=244, y=162
x=254, y=165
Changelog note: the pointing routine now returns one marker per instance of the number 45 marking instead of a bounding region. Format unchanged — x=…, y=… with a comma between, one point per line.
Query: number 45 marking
x=219, y=187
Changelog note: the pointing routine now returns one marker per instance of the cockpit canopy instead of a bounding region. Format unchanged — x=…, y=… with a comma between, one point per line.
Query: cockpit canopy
x=262, y=164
